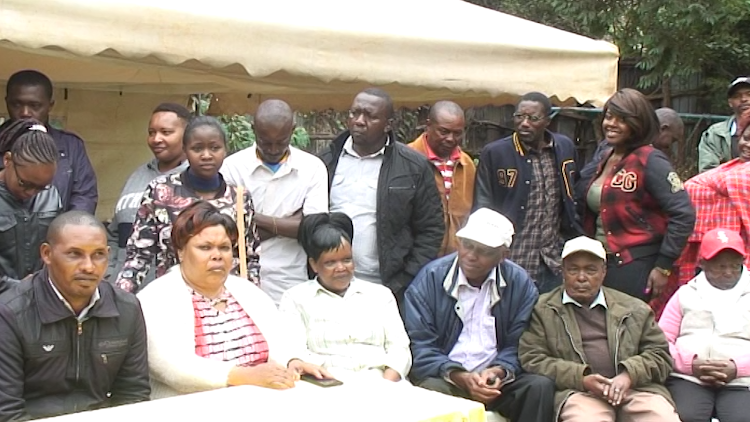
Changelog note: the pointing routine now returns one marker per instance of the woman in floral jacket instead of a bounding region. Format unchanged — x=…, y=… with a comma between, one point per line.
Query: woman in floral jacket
x=205, y=146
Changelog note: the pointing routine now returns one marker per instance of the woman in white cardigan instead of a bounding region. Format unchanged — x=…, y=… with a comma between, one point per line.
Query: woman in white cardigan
x=208, y=329
x=353, y=327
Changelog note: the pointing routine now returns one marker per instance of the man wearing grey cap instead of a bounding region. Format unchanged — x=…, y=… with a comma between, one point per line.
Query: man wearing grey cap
x=719, y=142
x=602, y=347
x=465, y=313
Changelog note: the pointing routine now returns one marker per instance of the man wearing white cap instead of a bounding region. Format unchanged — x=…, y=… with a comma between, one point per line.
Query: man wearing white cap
x=465, y=313
x=602, y=347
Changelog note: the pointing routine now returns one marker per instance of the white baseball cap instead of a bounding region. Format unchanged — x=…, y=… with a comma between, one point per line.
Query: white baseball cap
x=584, y=244
x=489, y=228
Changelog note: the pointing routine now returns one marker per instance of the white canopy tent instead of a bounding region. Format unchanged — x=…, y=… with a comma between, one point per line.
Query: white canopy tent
x=112, y=55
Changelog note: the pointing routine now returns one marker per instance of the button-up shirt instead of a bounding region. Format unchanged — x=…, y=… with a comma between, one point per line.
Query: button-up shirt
x=476, y=347
x=599, y=301
x=539, y=242
x=301, y=182
x=445, y=167
x=354, y=192
x=359, y=331
x=82, y=315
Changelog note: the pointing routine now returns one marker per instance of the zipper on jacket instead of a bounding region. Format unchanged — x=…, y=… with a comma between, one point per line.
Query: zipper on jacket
x=78, y=350
x=79, y=334
x=572, y=342
x=617, y=342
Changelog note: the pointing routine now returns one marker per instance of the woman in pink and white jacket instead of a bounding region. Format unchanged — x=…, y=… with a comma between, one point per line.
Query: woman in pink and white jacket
x=707, y=325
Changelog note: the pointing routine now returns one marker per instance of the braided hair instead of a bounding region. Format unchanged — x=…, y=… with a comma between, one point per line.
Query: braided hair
x=28, y=142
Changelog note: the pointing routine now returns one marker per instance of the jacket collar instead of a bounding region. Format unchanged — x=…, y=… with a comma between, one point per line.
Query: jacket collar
x=349, y=149
x=450, y=282
x=523, y=150
x=52, y=309
x=614, y=308
x=337, y=145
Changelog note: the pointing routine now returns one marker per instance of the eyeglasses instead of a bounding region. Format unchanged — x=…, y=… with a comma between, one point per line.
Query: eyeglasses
x=26, y=185
x=368, y=116
x=533, y=119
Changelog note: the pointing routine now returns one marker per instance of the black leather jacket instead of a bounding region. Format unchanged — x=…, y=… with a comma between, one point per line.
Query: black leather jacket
x=409, y=211
x=23, y=228
x=51, y=363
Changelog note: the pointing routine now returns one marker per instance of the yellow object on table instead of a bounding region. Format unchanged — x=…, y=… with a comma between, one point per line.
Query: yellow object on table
x=370, y=400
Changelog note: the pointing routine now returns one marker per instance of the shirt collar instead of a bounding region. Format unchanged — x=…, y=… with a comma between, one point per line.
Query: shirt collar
x=94, y=298
x=490, y=280
x=254, y=160
x=733, y=127
x=598, y=301
x=524, y=149
x=349, y=149
x=283, y=160
x=455, y=154
x=355, y=287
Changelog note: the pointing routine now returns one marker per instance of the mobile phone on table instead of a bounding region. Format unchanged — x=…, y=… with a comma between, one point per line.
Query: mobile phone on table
x=325, y=382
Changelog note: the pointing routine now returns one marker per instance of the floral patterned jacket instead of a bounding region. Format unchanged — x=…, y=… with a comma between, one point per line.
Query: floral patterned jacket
x=151, y=241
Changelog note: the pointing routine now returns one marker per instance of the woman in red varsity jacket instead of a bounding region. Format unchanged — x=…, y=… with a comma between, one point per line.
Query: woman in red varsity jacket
x=635, y=203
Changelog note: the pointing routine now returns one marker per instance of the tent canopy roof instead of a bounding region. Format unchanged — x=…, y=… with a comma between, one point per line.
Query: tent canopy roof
x=314, y=54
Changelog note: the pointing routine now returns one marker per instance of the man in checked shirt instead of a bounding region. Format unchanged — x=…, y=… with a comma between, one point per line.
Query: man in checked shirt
x=529, y=178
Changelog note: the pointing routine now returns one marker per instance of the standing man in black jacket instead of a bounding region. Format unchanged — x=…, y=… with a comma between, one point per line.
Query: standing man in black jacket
x=69, y=342
x=389, y=192
x=29, y=95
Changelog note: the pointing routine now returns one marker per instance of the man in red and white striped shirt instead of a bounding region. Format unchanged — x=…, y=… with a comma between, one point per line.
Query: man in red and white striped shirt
x=454, y=169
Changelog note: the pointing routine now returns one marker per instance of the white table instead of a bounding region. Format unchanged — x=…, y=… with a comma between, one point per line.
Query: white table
x=382, y=401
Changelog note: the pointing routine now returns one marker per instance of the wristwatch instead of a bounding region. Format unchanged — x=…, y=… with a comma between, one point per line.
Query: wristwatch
x=666, y=273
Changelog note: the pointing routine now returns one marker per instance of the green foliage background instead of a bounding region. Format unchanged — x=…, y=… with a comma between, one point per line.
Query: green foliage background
x=667, y=38
x=239, y=127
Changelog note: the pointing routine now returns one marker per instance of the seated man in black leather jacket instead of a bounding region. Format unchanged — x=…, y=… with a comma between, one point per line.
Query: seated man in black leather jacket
x=69, y=342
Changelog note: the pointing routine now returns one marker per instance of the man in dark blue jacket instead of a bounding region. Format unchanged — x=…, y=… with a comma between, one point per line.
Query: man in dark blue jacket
x=465, y=314
x=529, y=178
x=29, y=95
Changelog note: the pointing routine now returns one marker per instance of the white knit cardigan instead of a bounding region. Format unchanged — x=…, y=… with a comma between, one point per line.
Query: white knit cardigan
x=174, y=367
